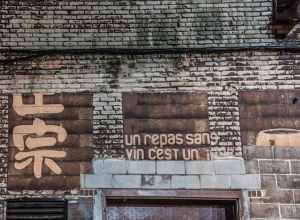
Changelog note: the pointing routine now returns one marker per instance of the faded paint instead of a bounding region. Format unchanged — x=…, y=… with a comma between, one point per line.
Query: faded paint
x=281, y=137
x=38, y=108
x=39, y=128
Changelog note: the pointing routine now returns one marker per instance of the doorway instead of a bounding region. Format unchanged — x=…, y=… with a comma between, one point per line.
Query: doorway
x=170, y=210
x=171, y=205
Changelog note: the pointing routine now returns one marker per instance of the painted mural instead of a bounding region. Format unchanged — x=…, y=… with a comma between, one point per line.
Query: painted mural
x=167, y=126
x=270, y=118
x=50, y=139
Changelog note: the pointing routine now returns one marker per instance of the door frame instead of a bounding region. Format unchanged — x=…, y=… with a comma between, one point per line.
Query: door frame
x=200, y=195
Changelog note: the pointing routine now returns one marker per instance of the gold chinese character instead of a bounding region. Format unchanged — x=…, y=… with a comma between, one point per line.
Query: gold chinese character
x=38, y=108
x=38, y=157
x=31, y=137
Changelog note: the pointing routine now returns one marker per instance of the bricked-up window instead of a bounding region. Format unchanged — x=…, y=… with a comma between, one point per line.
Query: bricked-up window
x=36, y=209
x=286, y=14
x=171, y=209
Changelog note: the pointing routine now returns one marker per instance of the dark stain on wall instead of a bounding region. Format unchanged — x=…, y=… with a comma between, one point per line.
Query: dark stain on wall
x=113, y=67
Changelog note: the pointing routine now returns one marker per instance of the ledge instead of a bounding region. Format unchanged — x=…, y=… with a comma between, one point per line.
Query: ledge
x=216, y=174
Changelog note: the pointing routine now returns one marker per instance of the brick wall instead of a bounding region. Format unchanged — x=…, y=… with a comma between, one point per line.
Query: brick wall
x=39, y=25
x=221, y=74
x=142, y=24
x=279, y=171
x=3, y=152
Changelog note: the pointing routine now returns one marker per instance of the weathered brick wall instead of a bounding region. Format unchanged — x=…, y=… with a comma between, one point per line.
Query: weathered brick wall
x=135, y=23
x=221, y=74
x=3, y=142
x=3, y=152
x=279, y=171
x=43, y=25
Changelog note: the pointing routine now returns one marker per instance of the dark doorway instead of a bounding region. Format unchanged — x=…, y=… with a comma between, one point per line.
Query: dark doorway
x=133, y=209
